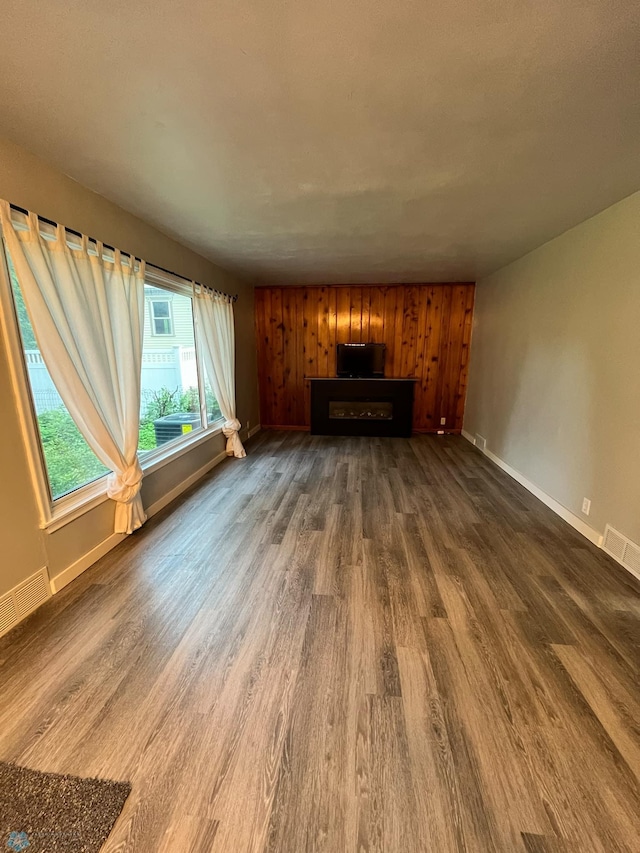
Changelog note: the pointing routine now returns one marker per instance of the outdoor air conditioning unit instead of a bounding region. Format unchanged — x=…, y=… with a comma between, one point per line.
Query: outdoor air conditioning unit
x=173, y=426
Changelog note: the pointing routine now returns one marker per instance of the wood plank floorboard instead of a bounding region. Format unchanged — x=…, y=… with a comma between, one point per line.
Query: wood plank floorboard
x=344, y=645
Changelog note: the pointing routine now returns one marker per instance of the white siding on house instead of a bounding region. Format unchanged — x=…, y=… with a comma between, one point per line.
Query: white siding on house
x=181, y=314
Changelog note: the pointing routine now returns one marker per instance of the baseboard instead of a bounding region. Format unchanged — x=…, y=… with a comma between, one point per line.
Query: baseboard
x=71, y=572
x=436, y=431
x=254, y=430
x=285, y=427
x=568, y=516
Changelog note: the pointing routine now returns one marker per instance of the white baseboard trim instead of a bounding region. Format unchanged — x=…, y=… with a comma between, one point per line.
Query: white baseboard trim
x=75, y=569
x=162, y=502
x=572, y=519
x=254, y=430
x=71, y=572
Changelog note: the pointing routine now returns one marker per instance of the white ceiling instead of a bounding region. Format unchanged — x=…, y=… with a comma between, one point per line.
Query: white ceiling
x=335, y=140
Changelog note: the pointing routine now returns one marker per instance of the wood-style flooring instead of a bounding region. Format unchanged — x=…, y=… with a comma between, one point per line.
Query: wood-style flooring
x=344, y=645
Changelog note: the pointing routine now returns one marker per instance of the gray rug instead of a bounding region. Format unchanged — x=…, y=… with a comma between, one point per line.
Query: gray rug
x=49, y=813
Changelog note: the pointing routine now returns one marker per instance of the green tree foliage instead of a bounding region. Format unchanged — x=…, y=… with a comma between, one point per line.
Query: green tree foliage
x=26, y=330
x=70, y=461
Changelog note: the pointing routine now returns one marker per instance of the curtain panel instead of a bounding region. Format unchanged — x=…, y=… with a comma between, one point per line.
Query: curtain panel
x=87, y=314
x=216, y=339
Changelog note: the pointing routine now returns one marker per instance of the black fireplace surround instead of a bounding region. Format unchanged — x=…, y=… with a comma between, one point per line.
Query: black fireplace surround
x=362, y=406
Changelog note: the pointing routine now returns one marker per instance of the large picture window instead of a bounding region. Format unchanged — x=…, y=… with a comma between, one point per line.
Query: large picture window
x=177, y=402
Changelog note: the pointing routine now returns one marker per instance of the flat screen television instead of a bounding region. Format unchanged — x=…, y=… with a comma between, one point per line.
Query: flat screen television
x=360, y=360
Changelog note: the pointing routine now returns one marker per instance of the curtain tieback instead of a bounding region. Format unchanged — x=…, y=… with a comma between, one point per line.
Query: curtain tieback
x=230, y=427
x=234, y=445
x=123, y=487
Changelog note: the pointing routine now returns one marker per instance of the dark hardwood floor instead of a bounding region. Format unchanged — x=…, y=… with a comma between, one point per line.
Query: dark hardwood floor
x=344, y=645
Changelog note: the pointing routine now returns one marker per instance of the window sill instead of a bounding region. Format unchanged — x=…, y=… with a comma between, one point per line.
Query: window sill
x=156, y=459
x=75, y=505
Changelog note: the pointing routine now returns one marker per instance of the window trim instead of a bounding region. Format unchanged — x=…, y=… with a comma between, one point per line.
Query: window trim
x=21, y=390
x=56, y=513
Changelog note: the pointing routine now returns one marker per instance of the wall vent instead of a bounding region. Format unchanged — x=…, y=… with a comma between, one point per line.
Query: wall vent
x=8, y=613
x=23, y=599
x=481, y=442
x=622, y=549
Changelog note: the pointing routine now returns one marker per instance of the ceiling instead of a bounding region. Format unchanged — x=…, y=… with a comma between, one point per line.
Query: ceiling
x=306, y=141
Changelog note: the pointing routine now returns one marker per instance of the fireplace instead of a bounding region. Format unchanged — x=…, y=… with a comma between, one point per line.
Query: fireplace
x=356, y=409
x=361, y=406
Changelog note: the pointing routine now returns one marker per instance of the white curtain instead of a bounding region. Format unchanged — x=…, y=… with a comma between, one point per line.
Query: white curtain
x=216, y=339
x=87, y=314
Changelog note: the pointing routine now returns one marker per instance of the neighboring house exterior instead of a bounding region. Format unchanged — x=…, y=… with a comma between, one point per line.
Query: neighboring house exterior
x=168, y=319
x=168, y=357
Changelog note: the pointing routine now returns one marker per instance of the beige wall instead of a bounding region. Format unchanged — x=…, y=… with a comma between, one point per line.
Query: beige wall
x=30, y=183
x=555, y=367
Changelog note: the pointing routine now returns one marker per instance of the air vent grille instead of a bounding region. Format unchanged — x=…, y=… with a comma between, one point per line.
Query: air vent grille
x=481, y=442
x=8, y=613
x=632, y=558
x=22, y=599
x=614, y=543
x=622, y=549
x=31, y=593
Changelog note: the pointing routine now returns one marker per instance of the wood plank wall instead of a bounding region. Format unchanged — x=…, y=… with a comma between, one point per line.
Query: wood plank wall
x=426, y=327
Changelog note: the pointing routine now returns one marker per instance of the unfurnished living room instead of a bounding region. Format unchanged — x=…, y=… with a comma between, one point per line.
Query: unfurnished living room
x=320, y=427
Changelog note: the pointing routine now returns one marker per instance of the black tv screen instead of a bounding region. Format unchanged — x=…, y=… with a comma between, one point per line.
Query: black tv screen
x=361, y=360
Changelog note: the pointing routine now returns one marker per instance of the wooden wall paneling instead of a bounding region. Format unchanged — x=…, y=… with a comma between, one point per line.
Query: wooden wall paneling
x=389, y=319
x=289, y=355
x=323, y=332
x=300, y=381
x=267, y=385
x=464, y=358
x=310, y=325
x=343, y=329
x=421, y=331
x=277, y=343
x=456, y=333
x=355, y=326
x=259, y=298
x=376, y=314
x=332, y=314
x=431, y=358
x=443, y=358
x=409, y=323
x=426, y=329
x=396, y=330
x=419, y=369
x=365, y=301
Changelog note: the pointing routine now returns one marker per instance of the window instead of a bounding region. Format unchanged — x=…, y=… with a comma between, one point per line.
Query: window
x=69, y=461
x=177, y=402
x=161, y=319
x=174, y=401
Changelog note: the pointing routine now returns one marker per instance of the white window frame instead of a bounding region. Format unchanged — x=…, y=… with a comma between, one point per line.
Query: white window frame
x=153, y=301
x=56, y=513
